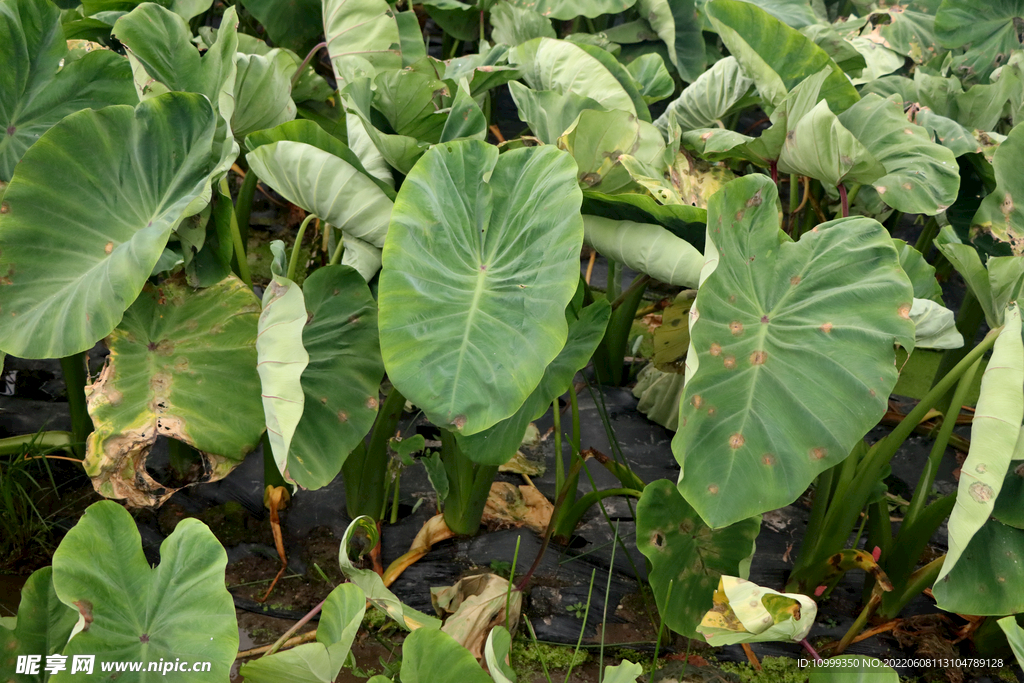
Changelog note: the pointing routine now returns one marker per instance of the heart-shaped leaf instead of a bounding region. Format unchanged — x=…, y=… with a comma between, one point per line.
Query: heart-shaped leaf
x=35, y=91
x=757, y=424
x=182, y=366
x=76, y=253
x=512, y=25
x=480, y=261
x=178, y=610
x=687, y=557
x=263, y=91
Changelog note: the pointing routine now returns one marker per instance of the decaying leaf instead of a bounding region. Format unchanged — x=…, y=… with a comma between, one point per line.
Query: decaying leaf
x=476, y=604
x=744, y=612
x=182, y=366
x=509, y=505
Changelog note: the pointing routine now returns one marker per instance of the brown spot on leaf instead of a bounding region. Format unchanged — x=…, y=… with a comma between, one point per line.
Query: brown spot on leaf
x=826, y=328
x=371, y=403
x=109, y=247
x=657, y=540
x=981, y=492
x=756, y=200
x=323, y=401
x=697, y=401
x=904, y=311
x=342, y=416
x=768, y=459
x=795, y=280
x=736, y=327
x=5, y=207
x=711, y=411
x=459, y=422
x=758, y=357
x=818, y=453
x=713, y=489
x=736, y=440
x=729, y=362
x=85, y=609
x=739, y=215
x=908, y=186
x=716, y=349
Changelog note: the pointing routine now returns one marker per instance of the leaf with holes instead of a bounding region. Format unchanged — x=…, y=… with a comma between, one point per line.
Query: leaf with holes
x=744, y=612
x=35, y=91
x=994, y=434
x=1001, y=213
x=76, y=253
x=481, y=259
x=178, y=609
x=795, y=349
x=687, y=556
x=182, y=365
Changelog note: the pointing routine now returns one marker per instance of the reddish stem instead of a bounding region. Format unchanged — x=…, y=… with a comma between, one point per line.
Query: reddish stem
x=810, y=648
x=844, y=199
x=774, y=166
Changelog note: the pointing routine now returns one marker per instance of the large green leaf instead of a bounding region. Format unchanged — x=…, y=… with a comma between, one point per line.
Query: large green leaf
x=325, y=185
x=320, y=661
x=687, y=556
x=776, y=56
x=480, y=262
x=987, y=28
x=36, y=90
x=679, y=26
x=994, y=434
x=179, y=609
x=341, y=380
x=42, y=628
x=987, y=578
x=646, y=248
x=497, y=444
x=709, y=98
x=682, y=220
x=570, y=9
x=429, y=656
x=652, y=78
x=362, y=38
x=76, y=253
x=1002, y=212
x=758, y=422
x=550, y=64
x=294, y=24
x=182, y=366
